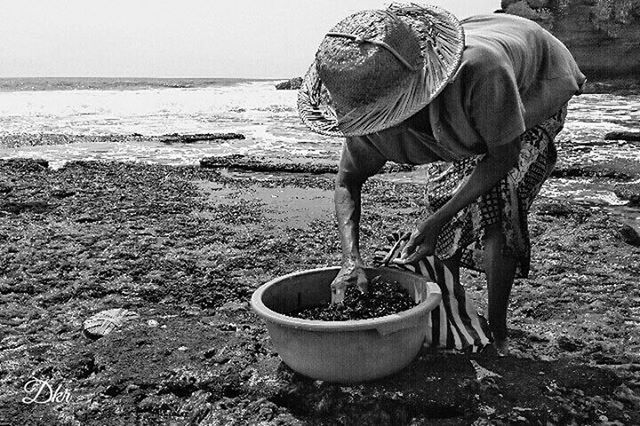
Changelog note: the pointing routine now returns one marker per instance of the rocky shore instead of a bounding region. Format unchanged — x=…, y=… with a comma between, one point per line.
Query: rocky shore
x=36, y=139
x=184, y=248
x=602, y=35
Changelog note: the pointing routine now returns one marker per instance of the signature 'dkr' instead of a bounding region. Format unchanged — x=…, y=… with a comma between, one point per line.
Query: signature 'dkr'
x=41, y=392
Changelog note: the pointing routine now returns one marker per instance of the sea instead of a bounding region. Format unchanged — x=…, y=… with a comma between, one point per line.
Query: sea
x=151, y=107
x=267, y=117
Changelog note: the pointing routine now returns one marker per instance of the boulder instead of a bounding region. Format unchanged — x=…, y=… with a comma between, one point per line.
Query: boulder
x=629, y=191
x=25, y=164
x=292, y=84
x=628, y=234
x=259, y=164
x=178, y=138
x=623, y=136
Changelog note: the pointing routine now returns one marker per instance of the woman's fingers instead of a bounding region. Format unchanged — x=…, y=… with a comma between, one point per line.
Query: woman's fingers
x=411, y=256
x=346, y=277
x=338, y=287
x=412, y=245
x=362, y=282
x=337, y=293
x=420, y=252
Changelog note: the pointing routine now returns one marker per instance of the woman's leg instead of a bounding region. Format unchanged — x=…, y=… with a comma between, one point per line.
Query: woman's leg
x=500, y=269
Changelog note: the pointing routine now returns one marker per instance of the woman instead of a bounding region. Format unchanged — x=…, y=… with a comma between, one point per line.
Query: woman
x=485, y=97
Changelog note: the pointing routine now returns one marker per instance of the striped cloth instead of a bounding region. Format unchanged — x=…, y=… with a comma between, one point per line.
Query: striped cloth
x=455, y=323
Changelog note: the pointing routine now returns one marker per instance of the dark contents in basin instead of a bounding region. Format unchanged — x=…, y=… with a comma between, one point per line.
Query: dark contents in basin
x=382, y=298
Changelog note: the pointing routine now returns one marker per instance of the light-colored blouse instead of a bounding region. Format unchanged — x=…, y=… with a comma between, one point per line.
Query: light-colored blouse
x=514, y=74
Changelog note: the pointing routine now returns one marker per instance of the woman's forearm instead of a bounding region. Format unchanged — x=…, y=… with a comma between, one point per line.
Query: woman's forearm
x=357, y=163
x=489, y=171
x=347, y=198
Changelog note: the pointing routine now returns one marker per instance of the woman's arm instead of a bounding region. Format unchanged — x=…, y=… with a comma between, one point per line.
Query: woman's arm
x=357, y=164
x=490, y=170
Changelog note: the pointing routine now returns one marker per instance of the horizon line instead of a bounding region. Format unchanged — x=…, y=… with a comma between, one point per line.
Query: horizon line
x=150, y=77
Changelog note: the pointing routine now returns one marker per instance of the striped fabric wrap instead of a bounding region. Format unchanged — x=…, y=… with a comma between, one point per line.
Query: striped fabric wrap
x=455, y=323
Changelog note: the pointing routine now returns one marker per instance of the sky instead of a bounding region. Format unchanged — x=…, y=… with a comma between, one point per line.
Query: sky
x=175, y=38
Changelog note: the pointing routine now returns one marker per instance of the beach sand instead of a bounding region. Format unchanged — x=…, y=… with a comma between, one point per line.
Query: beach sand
x=185, y=247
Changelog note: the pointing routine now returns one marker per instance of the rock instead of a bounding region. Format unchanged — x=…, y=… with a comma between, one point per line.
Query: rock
x=602, y=35
x=196, y=407
x=37, y=207
x=625, y=394
x=81, y=365
x=628, y=234
x=619, y=86
x=292, y=84
x=87, y=218
x=568, y=344
x=105, y=322
x=556, y=209
x=59, y=192
x=618, y=168
x=257, y=164
x=624, y=136
x=25, y=164
x=242, y=162
x=178, y=138
x=629, y=191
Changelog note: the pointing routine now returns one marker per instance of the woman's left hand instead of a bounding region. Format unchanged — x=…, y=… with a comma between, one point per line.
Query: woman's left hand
x=422, y=242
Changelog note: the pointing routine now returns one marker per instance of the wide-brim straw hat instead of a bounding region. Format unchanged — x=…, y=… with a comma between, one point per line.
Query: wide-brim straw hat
x=376, y=68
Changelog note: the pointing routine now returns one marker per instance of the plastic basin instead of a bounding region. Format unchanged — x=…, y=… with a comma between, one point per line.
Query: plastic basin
x=343, y=351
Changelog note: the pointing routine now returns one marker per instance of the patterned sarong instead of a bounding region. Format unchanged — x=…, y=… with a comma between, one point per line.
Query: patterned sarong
x=455, y=324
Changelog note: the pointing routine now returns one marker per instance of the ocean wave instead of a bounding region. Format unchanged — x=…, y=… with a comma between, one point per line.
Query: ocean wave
x=97, y=83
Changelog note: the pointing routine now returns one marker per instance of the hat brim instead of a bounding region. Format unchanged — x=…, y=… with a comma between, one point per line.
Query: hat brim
x=441, y=40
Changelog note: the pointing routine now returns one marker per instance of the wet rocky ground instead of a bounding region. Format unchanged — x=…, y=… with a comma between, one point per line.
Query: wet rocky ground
x=185, y=247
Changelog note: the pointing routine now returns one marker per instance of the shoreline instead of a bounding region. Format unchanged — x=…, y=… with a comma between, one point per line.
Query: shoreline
x=185, y=247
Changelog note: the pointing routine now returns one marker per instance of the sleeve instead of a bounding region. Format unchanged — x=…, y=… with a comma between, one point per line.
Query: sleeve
x=497, y=111
x=359, y=157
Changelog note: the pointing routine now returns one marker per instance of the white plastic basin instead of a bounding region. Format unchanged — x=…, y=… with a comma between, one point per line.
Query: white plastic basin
x=343, y=351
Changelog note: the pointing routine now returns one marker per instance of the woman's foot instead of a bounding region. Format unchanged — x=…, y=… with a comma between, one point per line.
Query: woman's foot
x=501, y=346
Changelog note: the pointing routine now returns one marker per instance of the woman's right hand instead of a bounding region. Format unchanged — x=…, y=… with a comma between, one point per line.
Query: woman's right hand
x=351, y=273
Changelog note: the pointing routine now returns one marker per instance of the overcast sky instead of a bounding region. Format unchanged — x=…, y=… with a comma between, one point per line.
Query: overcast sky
x=175, y=38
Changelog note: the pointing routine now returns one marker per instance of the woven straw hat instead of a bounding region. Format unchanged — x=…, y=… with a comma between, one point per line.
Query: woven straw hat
x=376, y=68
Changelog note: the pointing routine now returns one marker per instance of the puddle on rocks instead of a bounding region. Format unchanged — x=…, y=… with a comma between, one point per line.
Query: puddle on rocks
x=289, y=206
x=595, y=193
x=284, y=206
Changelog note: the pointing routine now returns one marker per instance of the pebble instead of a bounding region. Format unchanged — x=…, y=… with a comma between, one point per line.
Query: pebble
x=629, y=235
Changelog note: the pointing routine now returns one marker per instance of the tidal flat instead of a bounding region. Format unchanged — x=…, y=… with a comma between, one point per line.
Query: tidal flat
x=185, y=247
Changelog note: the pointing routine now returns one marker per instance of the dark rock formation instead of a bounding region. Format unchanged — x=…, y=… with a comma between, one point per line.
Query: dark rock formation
x=623, y=136
x=555, y=208
x=178, y=138
x=603, y=35
x=629, y=191
x=628, y=234
x=293, y=84
x=614, y=169
x=26, y=164
x=241, y=162
x=257, y=164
